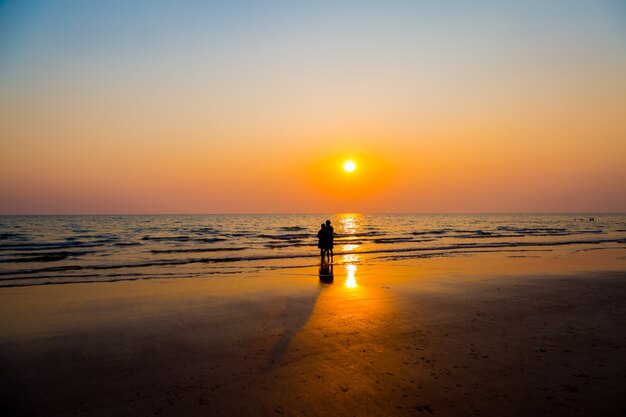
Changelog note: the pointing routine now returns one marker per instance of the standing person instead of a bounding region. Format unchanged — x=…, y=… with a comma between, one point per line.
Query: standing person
x=322, y=239
x=330, y=234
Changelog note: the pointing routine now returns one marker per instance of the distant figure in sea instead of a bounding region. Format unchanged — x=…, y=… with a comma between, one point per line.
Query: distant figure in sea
x=321, y=236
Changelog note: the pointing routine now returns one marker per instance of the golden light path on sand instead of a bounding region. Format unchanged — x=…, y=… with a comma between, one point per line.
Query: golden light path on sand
x=351, y=278
x=348, y=226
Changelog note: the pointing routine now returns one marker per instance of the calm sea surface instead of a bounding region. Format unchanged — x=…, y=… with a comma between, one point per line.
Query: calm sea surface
x=38, y=250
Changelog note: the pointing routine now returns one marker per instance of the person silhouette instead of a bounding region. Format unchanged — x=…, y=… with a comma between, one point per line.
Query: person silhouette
x=321, y=244
x=330, y=236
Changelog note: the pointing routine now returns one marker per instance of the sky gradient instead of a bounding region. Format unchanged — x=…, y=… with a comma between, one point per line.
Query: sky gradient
x=252, y=107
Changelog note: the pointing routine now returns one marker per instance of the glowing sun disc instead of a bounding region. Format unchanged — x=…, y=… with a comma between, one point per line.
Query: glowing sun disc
x=349, y=166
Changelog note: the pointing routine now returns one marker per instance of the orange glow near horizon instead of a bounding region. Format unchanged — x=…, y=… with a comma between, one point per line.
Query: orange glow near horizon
x=350, y=183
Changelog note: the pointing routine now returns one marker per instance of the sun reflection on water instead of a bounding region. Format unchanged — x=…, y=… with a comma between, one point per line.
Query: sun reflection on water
x=349, y=223
x=350, y=258
x=348, y=226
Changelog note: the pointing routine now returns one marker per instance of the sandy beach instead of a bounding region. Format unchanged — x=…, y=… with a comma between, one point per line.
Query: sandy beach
x=490, y=335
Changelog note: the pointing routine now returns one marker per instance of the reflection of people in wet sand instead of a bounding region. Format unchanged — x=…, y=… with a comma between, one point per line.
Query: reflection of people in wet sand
x=326, y=272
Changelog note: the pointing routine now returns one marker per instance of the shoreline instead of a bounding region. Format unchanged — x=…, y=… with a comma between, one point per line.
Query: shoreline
x=394, y=254
x=477, y=335
x=48, y=250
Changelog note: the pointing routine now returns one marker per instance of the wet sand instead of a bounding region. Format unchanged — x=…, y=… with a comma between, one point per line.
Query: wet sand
x=493, y=334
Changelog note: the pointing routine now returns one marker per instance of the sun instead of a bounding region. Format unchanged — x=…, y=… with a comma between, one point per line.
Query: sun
x=349, y=166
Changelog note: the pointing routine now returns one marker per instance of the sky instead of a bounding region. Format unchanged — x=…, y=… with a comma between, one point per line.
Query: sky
x=254, y=106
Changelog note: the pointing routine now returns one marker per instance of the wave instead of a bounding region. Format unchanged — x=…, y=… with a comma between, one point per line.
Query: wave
x=92, y=236
x=531, y=230
x=457, y=252
x=93, y=278
x=289, y=236
x=240, y=234
x=211, y=239
x=167, y=238
x=43, y=257
x=182, y=238
x=173, y=262
x=363, y=234
x=79, y=230
x=198, y=250
x=48, y=245
x=520, y=232
x=204, y=230
x=393, y=240
x=292, y=244
x=432, y=232
x=11, y=235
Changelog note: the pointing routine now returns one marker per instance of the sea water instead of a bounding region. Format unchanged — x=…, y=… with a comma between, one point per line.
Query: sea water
x=37, y=250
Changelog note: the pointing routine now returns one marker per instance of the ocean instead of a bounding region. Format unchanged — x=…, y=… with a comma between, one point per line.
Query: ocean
x=37, y=250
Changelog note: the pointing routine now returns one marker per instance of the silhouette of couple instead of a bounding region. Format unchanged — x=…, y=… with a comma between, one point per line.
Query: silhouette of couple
x=326, y=236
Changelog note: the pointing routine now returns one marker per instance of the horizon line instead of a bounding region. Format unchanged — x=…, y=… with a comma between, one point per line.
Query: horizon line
x=314, y=213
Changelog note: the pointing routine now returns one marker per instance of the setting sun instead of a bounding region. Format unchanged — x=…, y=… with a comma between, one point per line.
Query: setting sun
x=349, y=166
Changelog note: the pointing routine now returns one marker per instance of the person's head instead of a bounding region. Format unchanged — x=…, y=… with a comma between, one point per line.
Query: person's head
x=327, y=222
x=323, y=225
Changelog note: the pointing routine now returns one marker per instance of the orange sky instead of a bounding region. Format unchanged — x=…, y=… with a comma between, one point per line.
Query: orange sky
x=443, y=110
